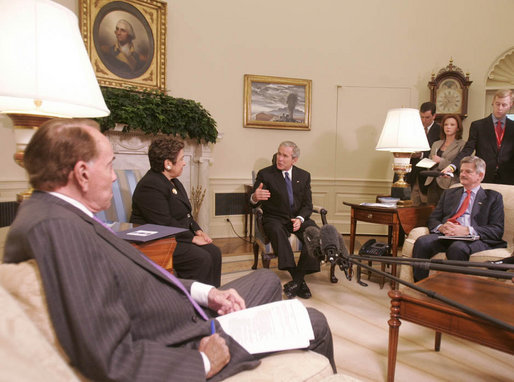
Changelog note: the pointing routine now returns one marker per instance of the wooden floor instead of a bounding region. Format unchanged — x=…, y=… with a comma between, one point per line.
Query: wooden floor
x=358, y=319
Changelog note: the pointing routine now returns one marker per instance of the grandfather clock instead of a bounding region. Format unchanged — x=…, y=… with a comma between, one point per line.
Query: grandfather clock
x=449, y=91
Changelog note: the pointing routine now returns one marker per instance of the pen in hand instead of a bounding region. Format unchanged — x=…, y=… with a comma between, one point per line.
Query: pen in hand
x=213, y=327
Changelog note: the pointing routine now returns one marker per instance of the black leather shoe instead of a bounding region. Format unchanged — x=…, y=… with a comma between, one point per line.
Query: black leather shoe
x=304, y=291
x=291, y=289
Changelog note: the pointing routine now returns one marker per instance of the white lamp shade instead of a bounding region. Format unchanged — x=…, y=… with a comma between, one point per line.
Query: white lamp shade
x=403, y=132
x=44, y=67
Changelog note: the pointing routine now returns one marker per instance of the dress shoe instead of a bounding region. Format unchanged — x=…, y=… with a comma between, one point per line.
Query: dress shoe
x=304, y=291
x=291, y=289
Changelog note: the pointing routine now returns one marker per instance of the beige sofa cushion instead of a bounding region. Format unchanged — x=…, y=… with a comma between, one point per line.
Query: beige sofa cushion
x=23, y=282
x=308, y=366
x=3, y=237
x=25, y=353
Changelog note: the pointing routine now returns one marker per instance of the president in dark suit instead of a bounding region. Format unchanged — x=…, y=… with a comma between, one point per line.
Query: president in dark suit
x=117, y=315
x=461, y=211
x=492, y=139
x=284, y=192
x=427, y=113
x=160, y=198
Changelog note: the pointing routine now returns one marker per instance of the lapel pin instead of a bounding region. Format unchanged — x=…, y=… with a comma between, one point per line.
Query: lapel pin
x=174, y=190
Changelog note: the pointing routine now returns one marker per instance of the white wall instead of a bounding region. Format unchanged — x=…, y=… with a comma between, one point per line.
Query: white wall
x=362, y=57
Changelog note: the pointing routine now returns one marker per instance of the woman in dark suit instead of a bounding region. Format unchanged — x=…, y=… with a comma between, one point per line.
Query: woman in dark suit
x=160, y=198
x=443, y=152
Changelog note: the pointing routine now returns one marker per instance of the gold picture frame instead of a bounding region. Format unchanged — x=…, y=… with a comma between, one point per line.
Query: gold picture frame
x=277, y=102
x=126, y=41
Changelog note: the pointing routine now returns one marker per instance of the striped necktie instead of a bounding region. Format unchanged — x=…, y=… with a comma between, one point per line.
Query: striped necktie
x=289, y=187
x=168, y=275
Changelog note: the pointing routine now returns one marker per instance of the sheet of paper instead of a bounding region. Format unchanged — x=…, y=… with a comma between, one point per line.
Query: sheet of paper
x=466, y=237
x=385, y=205
x=426, y=163
x=276, y=326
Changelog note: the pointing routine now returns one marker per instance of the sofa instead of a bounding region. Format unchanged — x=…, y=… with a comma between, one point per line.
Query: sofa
x=507, y=192
x=30, y=351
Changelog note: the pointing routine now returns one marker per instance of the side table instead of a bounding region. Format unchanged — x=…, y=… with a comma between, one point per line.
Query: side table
x=413, y=216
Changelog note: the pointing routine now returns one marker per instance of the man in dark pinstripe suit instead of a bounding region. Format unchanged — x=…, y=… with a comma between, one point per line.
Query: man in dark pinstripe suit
x=116, y=316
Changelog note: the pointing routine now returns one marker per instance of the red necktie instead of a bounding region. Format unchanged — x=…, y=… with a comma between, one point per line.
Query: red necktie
x=462, y=209
x=499, y=133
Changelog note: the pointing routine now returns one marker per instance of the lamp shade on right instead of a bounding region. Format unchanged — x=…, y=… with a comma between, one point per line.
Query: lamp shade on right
x=403, y=132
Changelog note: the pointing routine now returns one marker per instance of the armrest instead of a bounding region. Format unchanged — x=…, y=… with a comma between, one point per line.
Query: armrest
x=259, y=227
x=408, y=245
x=322, y=211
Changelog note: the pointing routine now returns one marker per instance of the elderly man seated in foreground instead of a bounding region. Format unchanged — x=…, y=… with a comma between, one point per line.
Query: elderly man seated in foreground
x=117, y=315
x=467, y=219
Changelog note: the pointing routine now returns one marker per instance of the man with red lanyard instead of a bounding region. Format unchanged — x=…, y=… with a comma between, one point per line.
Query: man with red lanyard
x=492, y=139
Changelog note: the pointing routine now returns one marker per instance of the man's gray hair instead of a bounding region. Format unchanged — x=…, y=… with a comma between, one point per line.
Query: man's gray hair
x=296, y=149
x=478, y=162
x=127, y=27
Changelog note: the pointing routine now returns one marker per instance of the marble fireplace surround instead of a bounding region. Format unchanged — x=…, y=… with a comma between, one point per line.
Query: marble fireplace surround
x=131, y=152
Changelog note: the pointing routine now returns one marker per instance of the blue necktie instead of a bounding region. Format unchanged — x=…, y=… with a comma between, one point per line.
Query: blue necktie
x=289, y=186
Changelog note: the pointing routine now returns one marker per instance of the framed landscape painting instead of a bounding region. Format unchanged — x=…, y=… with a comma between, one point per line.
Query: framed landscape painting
x=126, y=41
x=277, y=102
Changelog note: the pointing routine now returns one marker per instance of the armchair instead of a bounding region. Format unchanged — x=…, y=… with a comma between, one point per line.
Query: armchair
x=262, y=244
x=507, y=192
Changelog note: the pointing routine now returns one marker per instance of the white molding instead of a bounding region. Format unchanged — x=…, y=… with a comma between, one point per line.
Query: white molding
x=9, y=189
x=329, y=193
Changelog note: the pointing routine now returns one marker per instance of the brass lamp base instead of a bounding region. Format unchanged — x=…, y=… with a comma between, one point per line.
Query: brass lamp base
x=25, y=125
x=401, y=167
x=21, y=196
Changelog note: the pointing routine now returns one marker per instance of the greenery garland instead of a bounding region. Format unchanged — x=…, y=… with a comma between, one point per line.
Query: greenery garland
x=154, y=112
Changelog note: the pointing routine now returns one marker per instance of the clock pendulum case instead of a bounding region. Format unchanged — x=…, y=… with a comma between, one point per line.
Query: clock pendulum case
x=449, y=91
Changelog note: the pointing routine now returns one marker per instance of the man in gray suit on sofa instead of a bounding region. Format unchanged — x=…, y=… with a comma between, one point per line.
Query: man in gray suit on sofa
x=117, y=315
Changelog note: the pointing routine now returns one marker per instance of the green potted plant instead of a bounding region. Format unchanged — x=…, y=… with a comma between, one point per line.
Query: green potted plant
x=154, y=112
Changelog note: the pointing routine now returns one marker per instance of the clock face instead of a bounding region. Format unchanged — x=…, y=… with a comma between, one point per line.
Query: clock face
x=449, y=97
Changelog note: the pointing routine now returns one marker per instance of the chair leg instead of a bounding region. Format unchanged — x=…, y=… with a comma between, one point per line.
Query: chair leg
x=437, y=344
x=255, y=255
x=265, y=260
x=333, y=278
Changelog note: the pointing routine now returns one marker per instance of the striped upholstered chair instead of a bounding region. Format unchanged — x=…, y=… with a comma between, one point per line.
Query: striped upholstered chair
x=122, y=190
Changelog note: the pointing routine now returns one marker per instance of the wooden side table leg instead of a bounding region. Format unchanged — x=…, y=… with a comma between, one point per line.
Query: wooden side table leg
x=394, y=329
x=394, y=251
x=353, y=227
x=437, y=345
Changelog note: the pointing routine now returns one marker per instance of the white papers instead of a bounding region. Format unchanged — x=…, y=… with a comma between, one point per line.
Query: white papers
x=276, y=326
x=465, y=237
x=426, y=163
x=384, y=205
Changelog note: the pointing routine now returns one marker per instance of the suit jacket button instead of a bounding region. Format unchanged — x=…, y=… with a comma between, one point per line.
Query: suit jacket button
x=194, y=318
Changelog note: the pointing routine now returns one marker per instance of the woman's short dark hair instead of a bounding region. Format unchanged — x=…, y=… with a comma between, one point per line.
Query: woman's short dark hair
x=458, y=134
x=164, y=148
x=54, y=150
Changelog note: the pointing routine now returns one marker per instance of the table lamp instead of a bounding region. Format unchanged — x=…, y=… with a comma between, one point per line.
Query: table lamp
x=45, y=71
x=402, y=134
